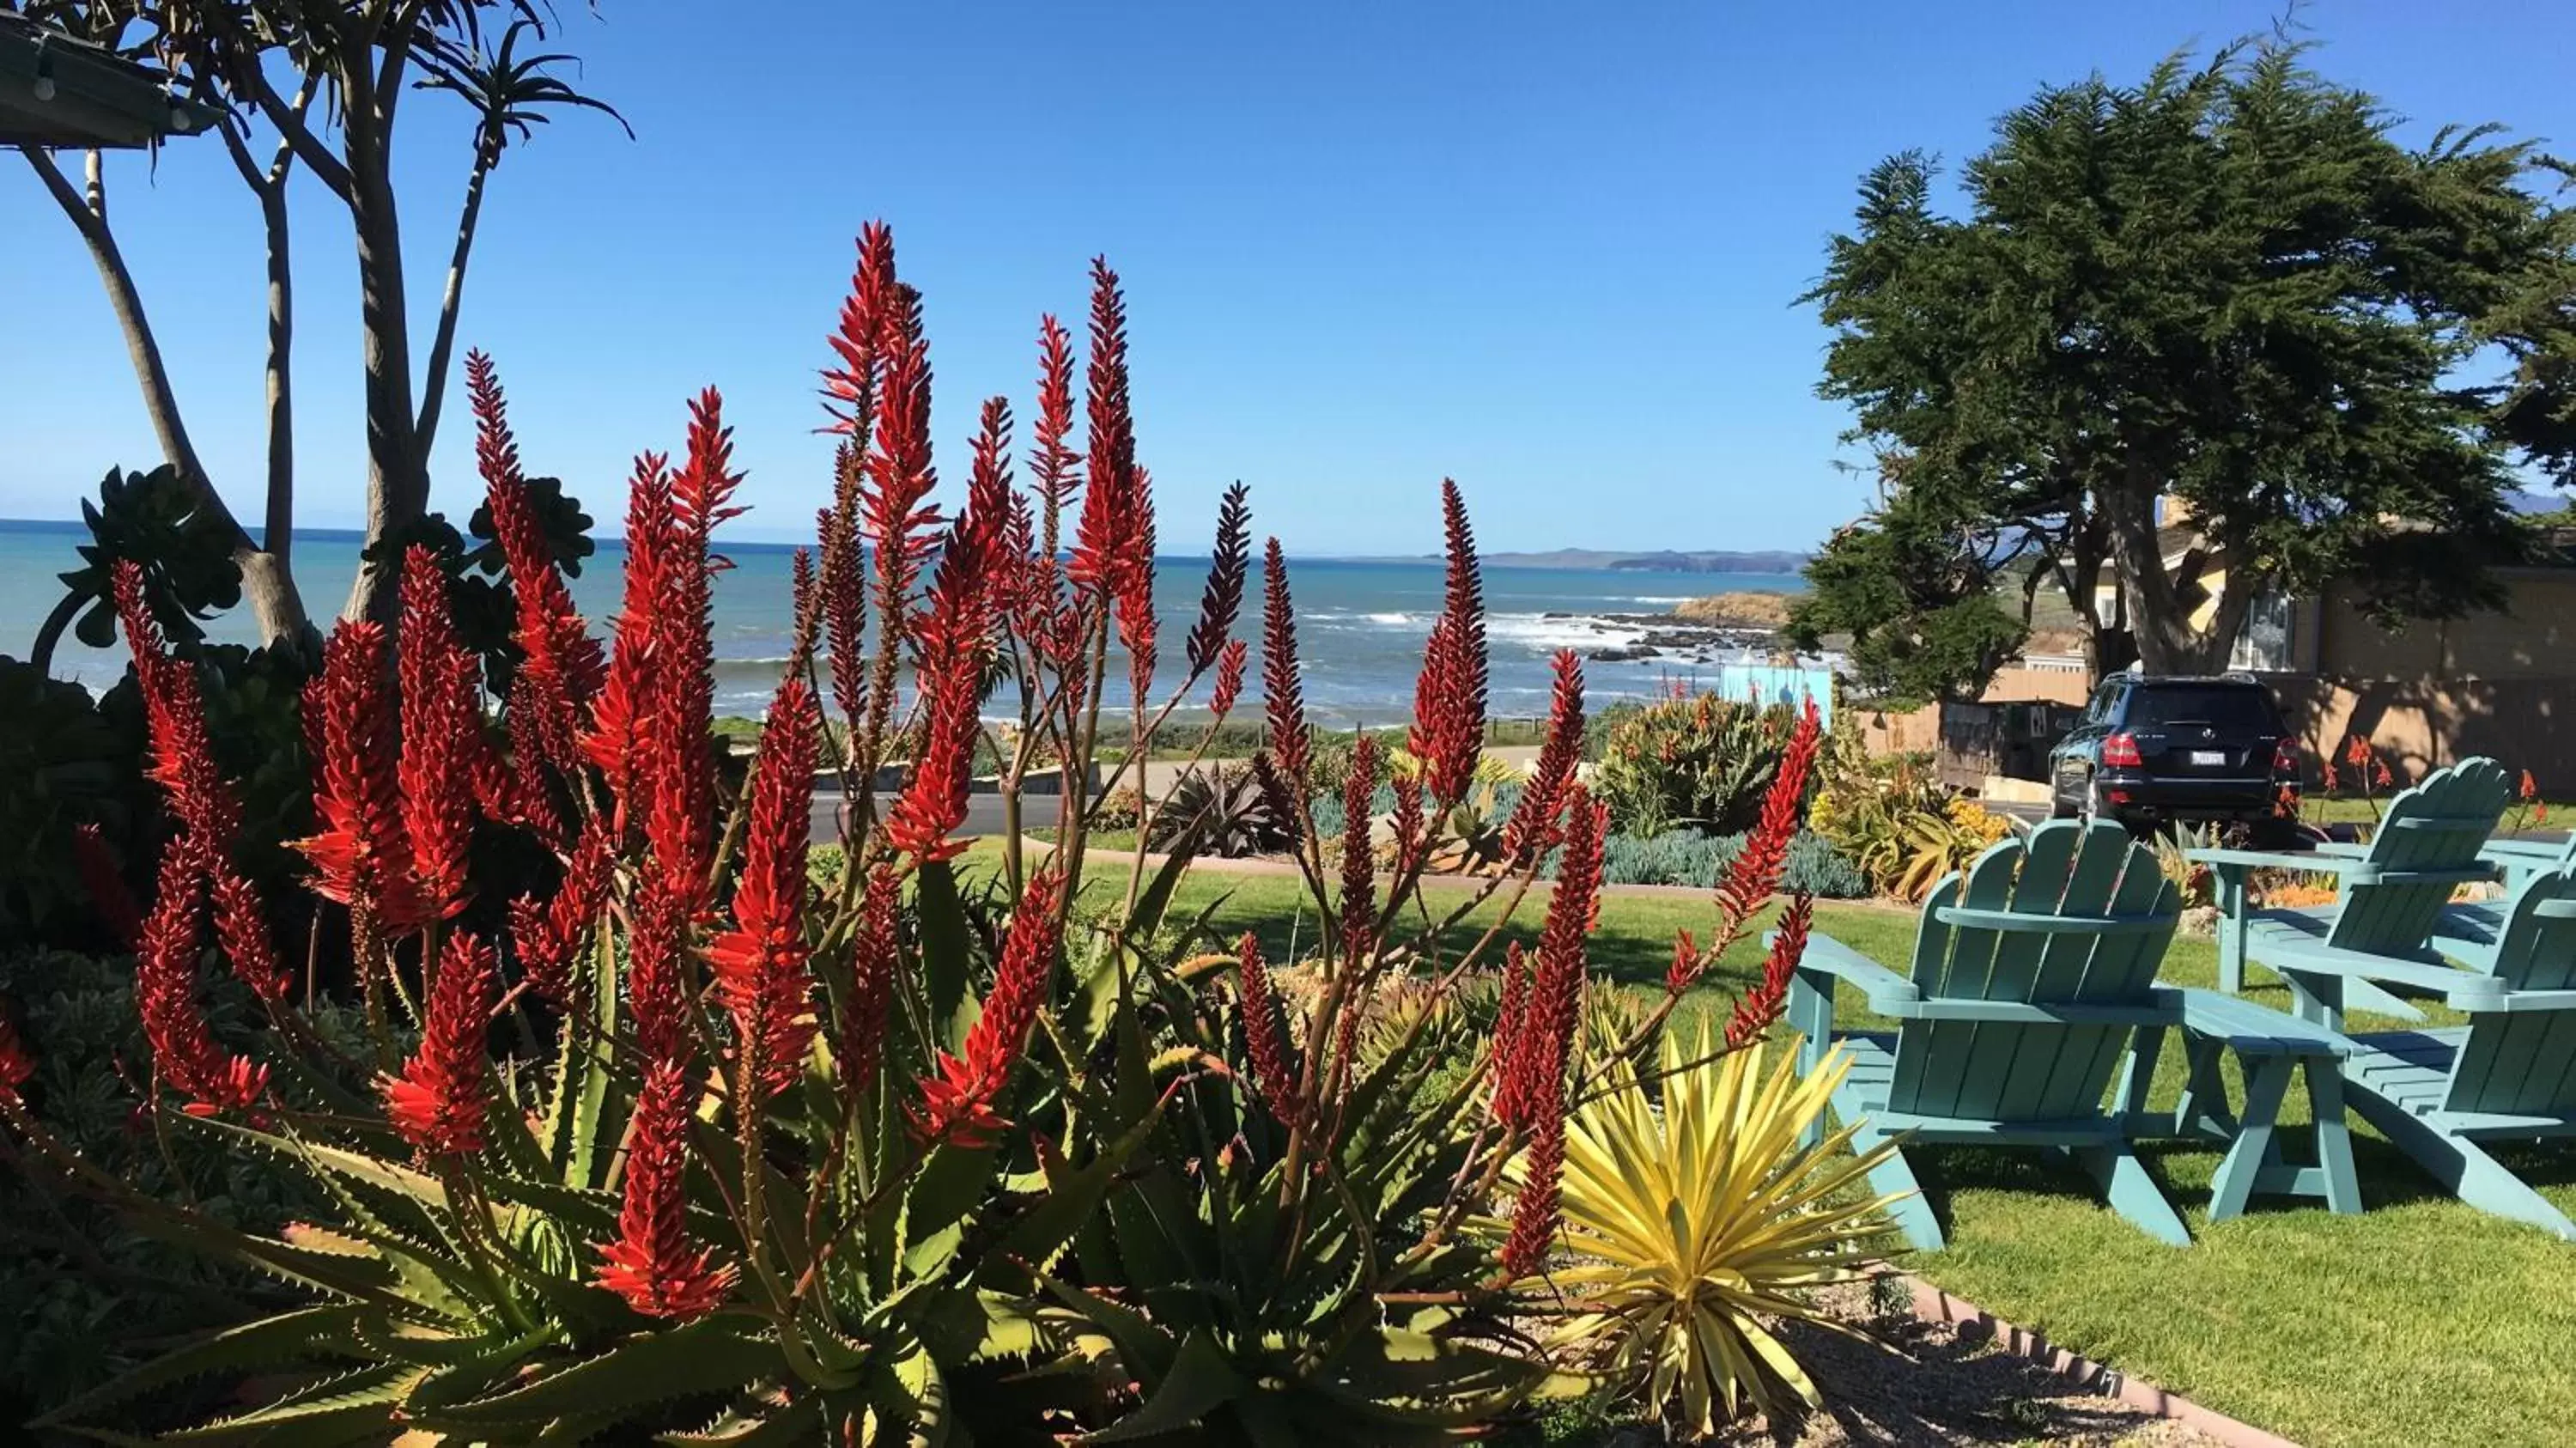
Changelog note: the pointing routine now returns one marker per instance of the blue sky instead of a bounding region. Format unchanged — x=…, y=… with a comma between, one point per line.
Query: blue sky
x=1551, y=250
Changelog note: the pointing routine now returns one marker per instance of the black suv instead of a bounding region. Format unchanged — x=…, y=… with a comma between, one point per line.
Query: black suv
x=2152, y=749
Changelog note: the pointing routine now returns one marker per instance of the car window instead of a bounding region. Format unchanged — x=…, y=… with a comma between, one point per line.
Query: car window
x=2105, y=702
x=2156, y=706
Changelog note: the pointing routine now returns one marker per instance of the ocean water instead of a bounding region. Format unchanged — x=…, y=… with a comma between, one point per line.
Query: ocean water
x=1360, y=625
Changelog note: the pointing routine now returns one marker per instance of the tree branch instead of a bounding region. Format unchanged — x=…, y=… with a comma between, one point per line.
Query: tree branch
x=487, y=150
x=289, y=120
x=272, y=593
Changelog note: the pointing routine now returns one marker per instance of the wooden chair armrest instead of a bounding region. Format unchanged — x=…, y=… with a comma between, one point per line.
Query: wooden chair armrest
x=2457, y=988
x=2015, y=922
x=1887, y=991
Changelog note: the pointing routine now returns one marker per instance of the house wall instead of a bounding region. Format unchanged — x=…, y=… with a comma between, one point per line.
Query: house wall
x=2499, y=684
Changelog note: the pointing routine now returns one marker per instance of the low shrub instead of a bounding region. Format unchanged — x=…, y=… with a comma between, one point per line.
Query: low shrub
x=1686, y=857
x=1700, y=763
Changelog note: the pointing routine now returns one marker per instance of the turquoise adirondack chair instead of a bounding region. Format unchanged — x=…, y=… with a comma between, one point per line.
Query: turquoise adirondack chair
x=2509, y=1074
x=2394, y=893
x=2031, y=972
x=2516, y=861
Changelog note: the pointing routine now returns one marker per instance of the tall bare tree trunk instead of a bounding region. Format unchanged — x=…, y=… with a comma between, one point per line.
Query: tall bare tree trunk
x=275, y=604
x=433, y=386
x=397, y=475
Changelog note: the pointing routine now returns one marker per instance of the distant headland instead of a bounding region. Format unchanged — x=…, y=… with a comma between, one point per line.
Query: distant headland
x=1657, y=561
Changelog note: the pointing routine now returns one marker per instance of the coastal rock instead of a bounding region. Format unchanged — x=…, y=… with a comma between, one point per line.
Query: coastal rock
x=1747, y=610
x=1624, y=655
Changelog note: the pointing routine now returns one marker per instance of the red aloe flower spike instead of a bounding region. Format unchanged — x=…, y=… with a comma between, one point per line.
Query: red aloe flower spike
x=2528, y=789
x=1221, y=602
x=843, y=586
x=1534, y=827
x=1283, y=694
x=1229, y=678
x=760, y=964
x=105, y=883
x=621, y=713
x=548, y=937
x=441, y=734
x=2331, y=783
x=562, y=662
x=1535, y=1216
x=1276, y=795
x=1359, y=860
x=1103, y=537
x=874, y=959
x=849, y=390
x=183, y=753
x=17, y=1063
x=437, y=1102
x=657, y=946
x=2540, y=813
x=652, y=1263
x=1056, y=467
x=933, y=803
x=1510, y=1028
x=361, y=857
x=1755, y=872
x=1759, y=1007
x=1686, y=964
x=2380, y=778
x=957, y=1102
x=184, y=1052
x=2356, y=750
x=678, y=740
x=241, y=927
x=893, y=519
x=514, y=791
x=1547, y=1022
x=1136, y=590
x=1448, y=733
x=802, y=589
x=1409, y=837
x=1262, y=1032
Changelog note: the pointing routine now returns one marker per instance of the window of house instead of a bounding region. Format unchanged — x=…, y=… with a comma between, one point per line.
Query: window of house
x=2263, y=645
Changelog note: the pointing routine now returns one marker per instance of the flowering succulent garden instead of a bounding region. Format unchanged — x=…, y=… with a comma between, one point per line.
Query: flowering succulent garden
x=673, y=1134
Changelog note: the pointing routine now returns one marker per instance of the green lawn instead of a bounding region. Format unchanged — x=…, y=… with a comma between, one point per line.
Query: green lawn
x=2353, y=810
x=2418, y=1322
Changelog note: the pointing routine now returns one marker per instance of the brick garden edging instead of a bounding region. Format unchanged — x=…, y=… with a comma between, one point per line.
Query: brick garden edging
x=1939, y=1308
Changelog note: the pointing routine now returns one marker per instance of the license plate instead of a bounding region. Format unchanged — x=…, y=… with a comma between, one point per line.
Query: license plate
x=2209, y=756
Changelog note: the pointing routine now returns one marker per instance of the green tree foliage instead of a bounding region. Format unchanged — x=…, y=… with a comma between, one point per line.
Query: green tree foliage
x=2228, y=284
x=1918, y=601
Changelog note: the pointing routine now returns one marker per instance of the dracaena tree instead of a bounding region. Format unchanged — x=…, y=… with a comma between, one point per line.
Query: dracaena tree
x=317, y=87
x=697, y=1142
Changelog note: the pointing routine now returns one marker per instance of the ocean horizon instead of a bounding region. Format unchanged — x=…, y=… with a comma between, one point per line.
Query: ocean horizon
x=1361, y=622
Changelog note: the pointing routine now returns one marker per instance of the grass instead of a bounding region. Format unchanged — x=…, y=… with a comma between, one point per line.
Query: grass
x=2420, y=1321
x=2355, y=810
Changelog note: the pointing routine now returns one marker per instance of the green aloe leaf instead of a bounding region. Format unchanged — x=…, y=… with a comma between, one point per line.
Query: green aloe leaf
x=713, y=1354
x=270, y=1342
x=1200, y=1381
x=945, y=953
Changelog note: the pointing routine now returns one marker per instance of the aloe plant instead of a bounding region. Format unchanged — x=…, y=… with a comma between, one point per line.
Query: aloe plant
x=902, y=1149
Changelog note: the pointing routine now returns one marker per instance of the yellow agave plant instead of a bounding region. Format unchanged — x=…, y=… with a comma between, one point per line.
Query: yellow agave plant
x=1692, y=1225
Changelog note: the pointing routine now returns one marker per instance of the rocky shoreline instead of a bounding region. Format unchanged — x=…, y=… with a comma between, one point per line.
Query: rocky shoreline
x=1641, y=637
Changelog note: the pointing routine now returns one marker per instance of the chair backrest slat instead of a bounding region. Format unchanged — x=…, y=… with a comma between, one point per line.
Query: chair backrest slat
x=2523, y=1062
x=2017, y=1071
x=2437, y=824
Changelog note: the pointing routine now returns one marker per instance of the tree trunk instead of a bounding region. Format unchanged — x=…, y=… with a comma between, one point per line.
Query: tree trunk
x=397, y=476
x=2158, y=620
x=278, y=530
x=433, y=388
x=275, y=604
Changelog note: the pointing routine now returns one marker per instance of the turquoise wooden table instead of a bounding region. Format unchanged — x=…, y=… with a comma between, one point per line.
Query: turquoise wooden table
x=2270, y=1047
